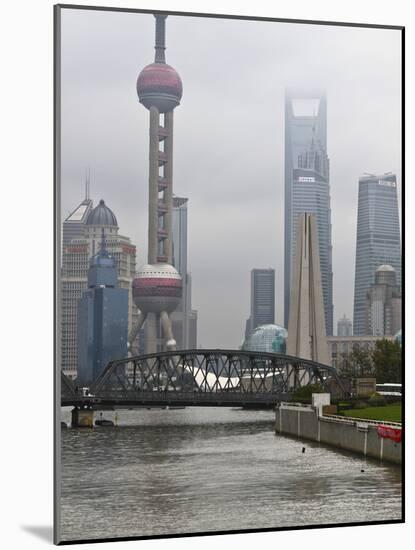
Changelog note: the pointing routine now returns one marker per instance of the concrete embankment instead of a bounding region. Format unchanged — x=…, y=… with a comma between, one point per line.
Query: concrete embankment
x=355, y=435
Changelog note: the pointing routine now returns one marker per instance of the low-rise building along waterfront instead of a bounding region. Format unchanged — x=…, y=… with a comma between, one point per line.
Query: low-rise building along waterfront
x=341, y=346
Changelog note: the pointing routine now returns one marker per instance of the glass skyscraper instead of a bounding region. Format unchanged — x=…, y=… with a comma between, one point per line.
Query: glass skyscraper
x=74, y=274
x=307, y=188
x=102, y=318
x=73, y=226
x=184, y=318
x=262, y=299
x=344, y=326
x=378, y=238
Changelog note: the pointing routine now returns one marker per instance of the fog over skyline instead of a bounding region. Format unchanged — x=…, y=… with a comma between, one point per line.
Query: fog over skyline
x=228, y=139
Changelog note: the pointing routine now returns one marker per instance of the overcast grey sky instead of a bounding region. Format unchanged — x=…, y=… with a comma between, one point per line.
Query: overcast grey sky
x=229, y=139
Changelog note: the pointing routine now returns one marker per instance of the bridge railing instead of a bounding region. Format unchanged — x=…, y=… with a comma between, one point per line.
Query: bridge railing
x=142, y=398
x=353, y=420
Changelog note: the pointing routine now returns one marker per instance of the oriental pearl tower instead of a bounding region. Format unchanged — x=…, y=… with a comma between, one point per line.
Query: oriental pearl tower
x=157, y=287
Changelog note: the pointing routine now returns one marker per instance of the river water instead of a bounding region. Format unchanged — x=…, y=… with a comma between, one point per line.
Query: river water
x=206, y=469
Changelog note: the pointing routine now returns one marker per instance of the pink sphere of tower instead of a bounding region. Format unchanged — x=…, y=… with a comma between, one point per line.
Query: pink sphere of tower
x=159, y=85
x=157, y=288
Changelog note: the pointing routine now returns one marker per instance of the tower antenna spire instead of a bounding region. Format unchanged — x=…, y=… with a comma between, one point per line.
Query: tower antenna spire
x=160, y=45
x=87, y=182
x=103, y=251
x=313, y=135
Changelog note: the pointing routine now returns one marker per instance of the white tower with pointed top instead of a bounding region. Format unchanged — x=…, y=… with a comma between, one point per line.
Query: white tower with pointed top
x=306, y=325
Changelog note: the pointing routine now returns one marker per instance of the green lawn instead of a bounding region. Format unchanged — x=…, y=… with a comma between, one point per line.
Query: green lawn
x=393, y=413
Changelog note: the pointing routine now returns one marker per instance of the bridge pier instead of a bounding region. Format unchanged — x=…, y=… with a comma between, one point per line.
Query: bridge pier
x=82, y=418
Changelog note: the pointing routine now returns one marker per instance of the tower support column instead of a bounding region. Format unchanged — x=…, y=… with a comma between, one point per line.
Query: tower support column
x=167, y=330
x=153, y=185
x=151, y=333
x=168, y=194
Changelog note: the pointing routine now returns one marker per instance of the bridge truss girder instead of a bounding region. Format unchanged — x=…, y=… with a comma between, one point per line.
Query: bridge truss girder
x=206, y=377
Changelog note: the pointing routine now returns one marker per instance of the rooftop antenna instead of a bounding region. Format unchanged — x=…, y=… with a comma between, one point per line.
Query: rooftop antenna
x=313, y=135
x=87, y=181
x=160, y=45
x=103, y=251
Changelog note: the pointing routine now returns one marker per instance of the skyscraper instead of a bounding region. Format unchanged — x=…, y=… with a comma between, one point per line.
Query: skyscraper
x=383, y=304
x=157, y=288
x=307, y=188
x=73, y=226
x=262, y=299
x=344, y=326
x=75, y=264
x=184, y=319
x=378, y=238
x=102, y=318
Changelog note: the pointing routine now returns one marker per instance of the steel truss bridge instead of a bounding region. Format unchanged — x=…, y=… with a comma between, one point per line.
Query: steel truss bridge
x=202, y=378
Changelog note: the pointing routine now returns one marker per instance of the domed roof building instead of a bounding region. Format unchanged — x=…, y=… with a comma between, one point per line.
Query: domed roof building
x=102, y=215
x=86, y=265
x=385, y=274
x=267, y=338
x=385, y=267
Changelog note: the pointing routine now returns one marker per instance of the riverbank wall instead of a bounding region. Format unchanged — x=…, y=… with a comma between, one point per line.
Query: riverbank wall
x=368, y=438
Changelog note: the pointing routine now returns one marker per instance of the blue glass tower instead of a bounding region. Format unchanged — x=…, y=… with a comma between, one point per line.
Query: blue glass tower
x=102, y=318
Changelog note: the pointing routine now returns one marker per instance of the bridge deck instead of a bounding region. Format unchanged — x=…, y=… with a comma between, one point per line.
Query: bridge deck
x=187, y=399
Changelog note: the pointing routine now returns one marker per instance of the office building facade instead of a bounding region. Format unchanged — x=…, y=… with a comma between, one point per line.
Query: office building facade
x=184, y=318
x=74, y=224
x=307, y=190
x=262, y=299
x=102, y=318
x=378, y=239
x=74, y=276
x=339, y=347
x=344, y=327
x=383, y=304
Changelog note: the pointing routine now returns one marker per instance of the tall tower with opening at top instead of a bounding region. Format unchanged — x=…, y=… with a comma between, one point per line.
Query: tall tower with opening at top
x=307, y=187
x=157, y=288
